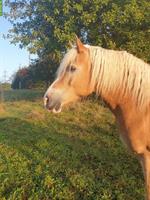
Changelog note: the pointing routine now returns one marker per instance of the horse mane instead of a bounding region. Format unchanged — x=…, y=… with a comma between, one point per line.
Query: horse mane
x=116, y=72
x=121, y=73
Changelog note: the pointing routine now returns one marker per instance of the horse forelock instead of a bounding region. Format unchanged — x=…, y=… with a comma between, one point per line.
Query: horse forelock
x=67, y=60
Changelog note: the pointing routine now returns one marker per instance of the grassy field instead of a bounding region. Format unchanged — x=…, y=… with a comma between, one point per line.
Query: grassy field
x=76, y=155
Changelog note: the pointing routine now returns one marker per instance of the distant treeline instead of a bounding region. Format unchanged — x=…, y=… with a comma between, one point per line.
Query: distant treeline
x=46, y=27
x=33, y=76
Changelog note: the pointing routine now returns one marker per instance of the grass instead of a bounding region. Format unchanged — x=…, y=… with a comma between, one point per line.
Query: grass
x=75, y=155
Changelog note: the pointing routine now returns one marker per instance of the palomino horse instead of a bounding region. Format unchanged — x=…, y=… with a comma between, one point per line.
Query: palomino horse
x=121, y=79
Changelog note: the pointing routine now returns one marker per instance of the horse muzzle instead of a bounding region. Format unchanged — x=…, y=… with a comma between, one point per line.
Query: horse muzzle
x=52, y=105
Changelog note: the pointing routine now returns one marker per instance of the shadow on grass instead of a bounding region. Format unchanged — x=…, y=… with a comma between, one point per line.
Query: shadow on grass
x=43, y=162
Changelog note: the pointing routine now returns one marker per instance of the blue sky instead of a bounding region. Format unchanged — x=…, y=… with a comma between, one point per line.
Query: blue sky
x=11, y=56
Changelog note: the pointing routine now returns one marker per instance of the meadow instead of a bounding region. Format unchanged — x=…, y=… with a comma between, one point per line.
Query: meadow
x=74, y=155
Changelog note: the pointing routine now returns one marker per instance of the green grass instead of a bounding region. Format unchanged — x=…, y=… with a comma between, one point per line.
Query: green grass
x=75, y=155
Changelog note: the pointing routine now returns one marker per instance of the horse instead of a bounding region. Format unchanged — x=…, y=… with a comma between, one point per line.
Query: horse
x=121, y=80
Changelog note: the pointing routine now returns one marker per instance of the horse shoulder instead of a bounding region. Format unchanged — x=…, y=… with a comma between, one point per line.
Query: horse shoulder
x=134, y=127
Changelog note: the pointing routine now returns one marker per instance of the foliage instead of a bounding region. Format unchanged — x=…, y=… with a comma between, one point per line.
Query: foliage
x=43, y=70
x=39, y=74
x=66, y=156
x=5, y=86
x=45, y=27
x=22, y=79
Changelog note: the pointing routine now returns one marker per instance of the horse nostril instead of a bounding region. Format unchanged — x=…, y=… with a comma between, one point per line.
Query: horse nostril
x=46, y=101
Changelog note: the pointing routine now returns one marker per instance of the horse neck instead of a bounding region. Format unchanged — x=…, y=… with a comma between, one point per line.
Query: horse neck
x=119, y=77
x=104, y=80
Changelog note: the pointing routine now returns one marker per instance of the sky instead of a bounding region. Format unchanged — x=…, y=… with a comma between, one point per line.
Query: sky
x=11, y=56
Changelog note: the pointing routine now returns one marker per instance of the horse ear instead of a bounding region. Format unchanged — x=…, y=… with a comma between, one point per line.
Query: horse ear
x=80, y=45
x=71, y=45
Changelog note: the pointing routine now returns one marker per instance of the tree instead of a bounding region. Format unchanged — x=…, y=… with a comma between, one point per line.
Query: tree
x=43, y=70
x=45, y=27
x=22, y=79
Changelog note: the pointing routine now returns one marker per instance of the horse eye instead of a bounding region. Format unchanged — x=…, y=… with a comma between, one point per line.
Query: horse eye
x=72, y=68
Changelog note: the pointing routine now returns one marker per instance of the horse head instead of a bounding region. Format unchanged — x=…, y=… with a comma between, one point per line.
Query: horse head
x=72, y=81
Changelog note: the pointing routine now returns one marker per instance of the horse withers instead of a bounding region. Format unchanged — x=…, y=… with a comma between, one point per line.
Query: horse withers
x=121, y=79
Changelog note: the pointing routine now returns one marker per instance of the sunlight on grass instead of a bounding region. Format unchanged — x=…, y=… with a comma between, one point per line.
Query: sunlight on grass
x=75, y=155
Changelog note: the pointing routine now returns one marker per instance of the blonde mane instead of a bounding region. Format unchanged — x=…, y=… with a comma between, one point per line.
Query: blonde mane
x=116, y=72
x=120, y=73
